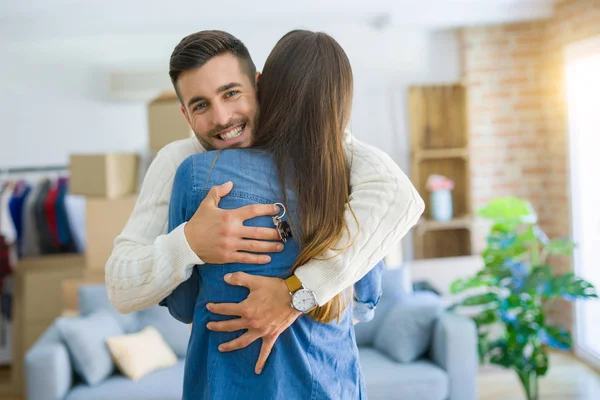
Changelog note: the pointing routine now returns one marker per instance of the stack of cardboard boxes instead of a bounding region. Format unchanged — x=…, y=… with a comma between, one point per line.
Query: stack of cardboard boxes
x=110, y=182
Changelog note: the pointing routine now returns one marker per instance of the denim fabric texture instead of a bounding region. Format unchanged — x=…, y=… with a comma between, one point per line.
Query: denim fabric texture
x=310, y=360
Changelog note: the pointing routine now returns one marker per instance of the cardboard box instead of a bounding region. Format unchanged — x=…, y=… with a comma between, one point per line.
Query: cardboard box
x=37, y=299
x=50, y=261
x=105, y=219
x=166, y=123
x=70, y=289
x=94, y=275
x=111, y=175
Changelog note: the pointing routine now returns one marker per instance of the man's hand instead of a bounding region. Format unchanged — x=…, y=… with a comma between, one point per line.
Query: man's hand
x=266, y=313
x=219, y=236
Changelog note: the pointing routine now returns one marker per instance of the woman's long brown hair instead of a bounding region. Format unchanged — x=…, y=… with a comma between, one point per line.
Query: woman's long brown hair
x=305, y=95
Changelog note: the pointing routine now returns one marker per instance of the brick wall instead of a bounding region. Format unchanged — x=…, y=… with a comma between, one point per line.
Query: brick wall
x=517, y=114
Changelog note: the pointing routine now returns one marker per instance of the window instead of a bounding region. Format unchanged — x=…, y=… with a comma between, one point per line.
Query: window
x=583, y=102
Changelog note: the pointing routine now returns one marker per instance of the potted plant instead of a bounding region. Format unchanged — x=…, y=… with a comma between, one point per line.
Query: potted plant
x=514, y=289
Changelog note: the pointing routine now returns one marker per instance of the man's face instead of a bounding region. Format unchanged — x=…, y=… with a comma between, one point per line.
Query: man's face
x=219, y=103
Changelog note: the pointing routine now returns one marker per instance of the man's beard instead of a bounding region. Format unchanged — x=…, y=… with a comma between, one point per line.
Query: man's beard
x=207, y=146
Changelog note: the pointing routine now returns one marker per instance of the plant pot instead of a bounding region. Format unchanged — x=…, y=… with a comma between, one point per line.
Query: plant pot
x=441, y=205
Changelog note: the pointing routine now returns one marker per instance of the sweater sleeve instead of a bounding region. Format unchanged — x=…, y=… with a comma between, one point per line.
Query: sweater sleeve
x=386, y=206
x=147, y=264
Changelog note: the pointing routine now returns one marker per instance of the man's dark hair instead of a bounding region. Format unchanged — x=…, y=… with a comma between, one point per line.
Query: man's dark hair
x=197, y=49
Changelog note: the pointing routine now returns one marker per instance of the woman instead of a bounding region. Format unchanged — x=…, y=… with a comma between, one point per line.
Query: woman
x=297, y=159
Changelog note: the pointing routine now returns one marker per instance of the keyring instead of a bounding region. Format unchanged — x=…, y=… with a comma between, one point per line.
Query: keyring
x=283, y=207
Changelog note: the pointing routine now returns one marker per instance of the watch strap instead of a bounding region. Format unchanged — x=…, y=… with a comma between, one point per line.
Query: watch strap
x=293, y=283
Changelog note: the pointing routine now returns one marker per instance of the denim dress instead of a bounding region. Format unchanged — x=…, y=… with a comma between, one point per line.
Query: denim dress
x=310, y=360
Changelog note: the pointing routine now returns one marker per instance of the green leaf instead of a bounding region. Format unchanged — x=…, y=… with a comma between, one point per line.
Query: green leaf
x=570, y=288
x=527, y=236
x=509, y=211
x=479, y=280
x=481, y=299
x=498, y=272
x=482, y=346
x=505, y=354
x=556, y=337
x=493, y=258
x=496, y=258
x=486, y=317
x=499, y=228
x=540, y=360
x=539, y=280
x=560, y=246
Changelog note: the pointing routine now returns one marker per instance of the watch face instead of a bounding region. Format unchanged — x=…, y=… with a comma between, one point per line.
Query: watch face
x=304, y=300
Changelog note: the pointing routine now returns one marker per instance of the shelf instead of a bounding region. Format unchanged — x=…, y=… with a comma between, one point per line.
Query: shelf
x=436, y=154
x=438, y=117
x=427, y=225
x=451, y=241
x=439, y=142
x=456, y=169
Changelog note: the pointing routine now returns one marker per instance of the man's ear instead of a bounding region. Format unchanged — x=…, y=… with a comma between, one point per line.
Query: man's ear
x=256, y=79
x=185, y=114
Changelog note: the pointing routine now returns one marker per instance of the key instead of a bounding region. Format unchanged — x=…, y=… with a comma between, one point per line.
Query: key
x=283, y=228
x=285, y=232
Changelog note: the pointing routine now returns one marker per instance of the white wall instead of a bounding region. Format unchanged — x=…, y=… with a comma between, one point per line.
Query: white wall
x=53, y=93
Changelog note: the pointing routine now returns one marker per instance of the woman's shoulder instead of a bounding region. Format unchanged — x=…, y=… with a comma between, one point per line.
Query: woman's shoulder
x=248, y=167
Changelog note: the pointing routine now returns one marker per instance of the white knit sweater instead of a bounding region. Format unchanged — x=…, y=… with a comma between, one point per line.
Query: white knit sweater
x=147, y=263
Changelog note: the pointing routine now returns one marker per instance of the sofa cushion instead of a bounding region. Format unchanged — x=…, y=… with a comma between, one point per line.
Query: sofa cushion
x=85, y=338
x=164, y=384
x=175, y=333
x=406, y=332
x=386, y=379
x=395, y=287
x=95, y=297
x=138, y=354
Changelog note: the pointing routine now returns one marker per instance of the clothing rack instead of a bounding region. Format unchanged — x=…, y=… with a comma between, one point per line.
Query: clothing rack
x=20, y=170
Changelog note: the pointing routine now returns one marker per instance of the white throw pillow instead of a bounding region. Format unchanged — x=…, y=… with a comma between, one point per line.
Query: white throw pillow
x=138, y=354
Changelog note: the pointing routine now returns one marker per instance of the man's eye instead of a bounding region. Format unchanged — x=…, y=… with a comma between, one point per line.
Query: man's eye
x=231, y=93
x=200, y=106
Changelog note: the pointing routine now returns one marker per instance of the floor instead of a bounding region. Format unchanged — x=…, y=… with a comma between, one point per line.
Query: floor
x=568, y=379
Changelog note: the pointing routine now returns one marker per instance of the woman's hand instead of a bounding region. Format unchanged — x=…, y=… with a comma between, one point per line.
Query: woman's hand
x=266, y=313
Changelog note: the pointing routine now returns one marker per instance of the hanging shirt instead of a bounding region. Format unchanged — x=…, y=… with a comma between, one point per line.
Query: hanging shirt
x=30, y=241
x=7, y=227
x=5, y=261
x=75, y=206
x=8, y=235
x=16, y=204
x=45, y=236
x=50, y=209
x=62, y=222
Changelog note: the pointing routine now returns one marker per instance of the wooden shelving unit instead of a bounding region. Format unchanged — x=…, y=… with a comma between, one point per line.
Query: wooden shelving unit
x=440, y=145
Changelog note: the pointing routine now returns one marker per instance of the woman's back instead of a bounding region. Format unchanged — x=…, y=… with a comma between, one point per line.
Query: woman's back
x=310, y=359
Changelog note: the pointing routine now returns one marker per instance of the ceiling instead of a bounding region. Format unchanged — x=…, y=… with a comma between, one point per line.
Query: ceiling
x=55, y=19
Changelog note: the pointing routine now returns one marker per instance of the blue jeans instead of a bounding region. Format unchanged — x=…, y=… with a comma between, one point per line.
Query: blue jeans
x=310, y=360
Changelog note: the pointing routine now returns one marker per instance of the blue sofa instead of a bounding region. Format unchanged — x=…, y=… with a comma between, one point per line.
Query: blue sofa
x=446, y=365
x=446, y=369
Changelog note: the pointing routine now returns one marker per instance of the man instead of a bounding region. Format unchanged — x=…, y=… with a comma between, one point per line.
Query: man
x=216, y=82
